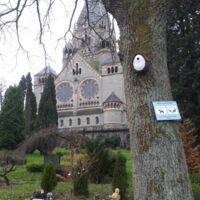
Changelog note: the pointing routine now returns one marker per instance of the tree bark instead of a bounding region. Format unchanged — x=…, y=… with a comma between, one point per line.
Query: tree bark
x=160, y=170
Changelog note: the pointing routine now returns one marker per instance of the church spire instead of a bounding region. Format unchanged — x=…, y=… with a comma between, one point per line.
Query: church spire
x=94, y=28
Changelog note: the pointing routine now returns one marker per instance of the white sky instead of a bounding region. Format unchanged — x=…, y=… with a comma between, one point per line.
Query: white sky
x=14, y=63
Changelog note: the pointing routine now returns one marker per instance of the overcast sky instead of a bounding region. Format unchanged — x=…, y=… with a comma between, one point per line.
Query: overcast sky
x=14, y=63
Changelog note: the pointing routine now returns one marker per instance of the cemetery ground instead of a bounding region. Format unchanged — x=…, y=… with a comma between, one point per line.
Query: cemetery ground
x=24, y=183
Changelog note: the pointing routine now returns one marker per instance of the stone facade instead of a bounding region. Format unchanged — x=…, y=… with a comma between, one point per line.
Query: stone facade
x=90, y=87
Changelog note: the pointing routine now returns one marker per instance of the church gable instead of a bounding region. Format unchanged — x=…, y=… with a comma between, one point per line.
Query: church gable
x=77, y=68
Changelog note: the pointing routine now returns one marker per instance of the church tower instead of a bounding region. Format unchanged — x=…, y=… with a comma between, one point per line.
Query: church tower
x=39, y=81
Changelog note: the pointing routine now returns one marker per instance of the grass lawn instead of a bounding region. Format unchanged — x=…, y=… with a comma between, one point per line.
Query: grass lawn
x=24, y=182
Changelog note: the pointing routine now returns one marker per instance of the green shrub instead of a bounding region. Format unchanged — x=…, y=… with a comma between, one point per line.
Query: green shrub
x=120, y=179
x=35, y=167
x=196, y=191
x=195, y=178
x=81, y=185
x=49, y=182
x=60, y=151
x=112, y=142
x=102, y=161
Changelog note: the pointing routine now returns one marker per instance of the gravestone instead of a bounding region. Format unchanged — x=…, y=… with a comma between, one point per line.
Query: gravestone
x=55, y=159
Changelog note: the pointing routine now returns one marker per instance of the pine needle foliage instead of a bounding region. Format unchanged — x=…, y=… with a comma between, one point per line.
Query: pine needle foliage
x=80, y=179
x=120, y=179
x=47, y=113
x=49, y=181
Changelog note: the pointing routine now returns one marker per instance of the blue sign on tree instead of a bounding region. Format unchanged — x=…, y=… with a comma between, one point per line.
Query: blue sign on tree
x=166, y=110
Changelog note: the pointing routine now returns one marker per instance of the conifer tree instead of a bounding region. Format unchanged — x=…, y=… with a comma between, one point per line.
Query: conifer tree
x=120, y=176
x=183, y=57
x=49, y=182
x=47, y=113
x=80, y=184
x=22, y=86
x=30, y=106
x=12, y=118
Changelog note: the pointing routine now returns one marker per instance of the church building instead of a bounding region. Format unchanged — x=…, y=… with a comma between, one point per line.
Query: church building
x=90, y=87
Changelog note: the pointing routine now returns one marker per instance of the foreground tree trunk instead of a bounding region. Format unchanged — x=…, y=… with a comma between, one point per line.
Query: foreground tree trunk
x=159, y=161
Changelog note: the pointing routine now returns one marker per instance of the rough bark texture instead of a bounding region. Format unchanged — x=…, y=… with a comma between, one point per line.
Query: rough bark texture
x=159, y=161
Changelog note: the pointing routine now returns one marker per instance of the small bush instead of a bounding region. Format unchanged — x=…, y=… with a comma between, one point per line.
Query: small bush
x=35, y=167
x=80, y=180
x=195, y=178
x=102, y=161
x=48, y=182
x=196, y=191
x=81, y=185
x=120, y=179
x=60, y=151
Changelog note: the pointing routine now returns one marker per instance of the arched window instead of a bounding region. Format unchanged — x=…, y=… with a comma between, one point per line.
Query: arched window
x=61, y=122
x=79, y=121
x=97, y=120
x=116, y=69
x=103, y=44
x=70, y=122
x=88, y=120
x=66, y=51
x=73, y=71
x=79, y=70
x=108, y=70
x=112, y=69
x=108, y=44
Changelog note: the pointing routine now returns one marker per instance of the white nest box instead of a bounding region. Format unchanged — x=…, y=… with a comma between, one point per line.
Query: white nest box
x=140, y=63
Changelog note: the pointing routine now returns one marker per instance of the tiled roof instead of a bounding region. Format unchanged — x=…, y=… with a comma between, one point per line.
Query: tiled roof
x=46, y=71
x=112, y=98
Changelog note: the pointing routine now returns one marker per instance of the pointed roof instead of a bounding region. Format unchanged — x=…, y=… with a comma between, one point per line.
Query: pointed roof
x=46, y=71
x=113, y=98
x=96, y=11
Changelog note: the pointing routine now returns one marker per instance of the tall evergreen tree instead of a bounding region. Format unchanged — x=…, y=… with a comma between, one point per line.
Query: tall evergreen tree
x=47, y=113
x=22, y=85
x=184, y=57
x=12, y=118
x=30, y=106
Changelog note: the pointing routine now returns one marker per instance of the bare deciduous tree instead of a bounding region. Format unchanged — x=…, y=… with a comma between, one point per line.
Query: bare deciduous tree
x=8, y=162
x=45, y=140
